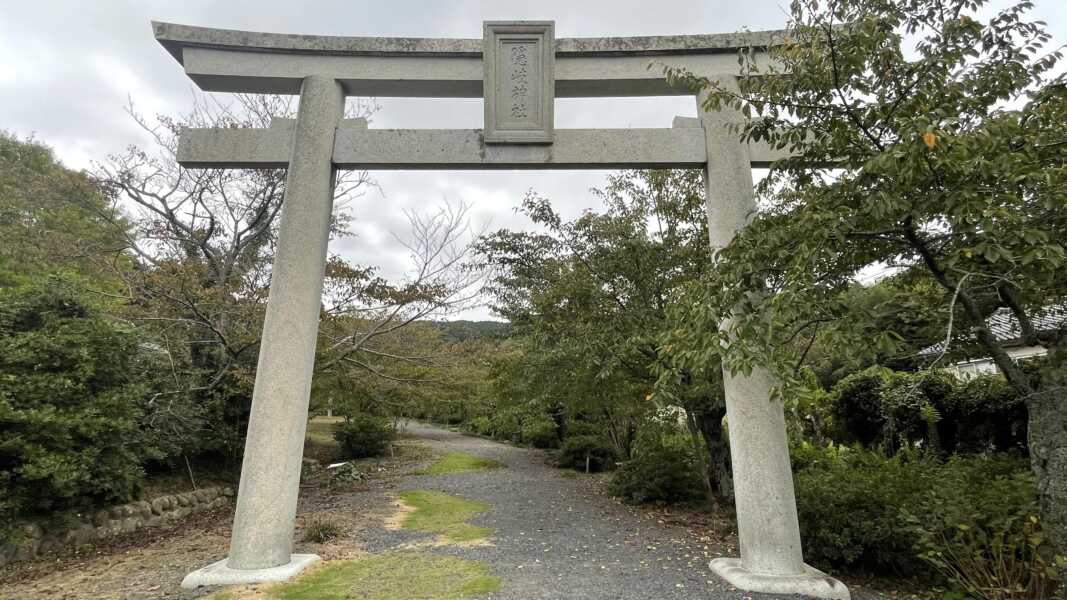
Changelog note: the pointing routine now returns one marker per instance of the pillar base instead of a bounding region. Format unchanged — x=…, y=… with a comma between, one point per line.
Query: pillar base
x=813, y=582
x=219, y=574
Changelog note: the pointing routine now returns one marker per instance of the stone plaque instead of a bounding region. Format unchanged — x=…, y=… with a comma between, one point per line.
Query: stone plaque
x=519, y=81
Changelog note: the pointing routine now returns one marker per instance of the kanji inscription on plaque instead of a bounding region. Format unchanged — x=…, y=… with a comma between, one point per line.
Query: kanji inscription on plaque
x=519, y=81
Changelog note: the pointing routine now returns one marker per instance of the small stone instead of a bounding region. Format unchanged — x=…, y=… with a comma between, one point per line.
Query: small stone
x=28, y=549
x=101, y=517
x=47, y=545
x=144, y=509
x=83, y=535
x=32, y=530
x=159, y=506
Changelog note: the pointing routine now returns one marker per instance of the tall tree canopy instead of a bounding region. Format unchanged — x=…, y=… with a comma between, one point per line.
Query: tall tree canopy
x=926, y=138
x=591, y=296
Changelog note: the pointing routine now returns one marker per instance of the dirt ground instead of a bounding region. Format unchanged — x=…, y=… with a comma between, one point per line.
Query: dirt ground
x=150, y=563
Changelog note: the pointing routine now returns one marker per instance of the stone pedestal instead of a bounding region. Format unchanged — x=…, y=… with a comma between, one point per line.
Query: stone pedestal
x=220, y=574
x=261, y=545
x=812, y=582
x=769, y=534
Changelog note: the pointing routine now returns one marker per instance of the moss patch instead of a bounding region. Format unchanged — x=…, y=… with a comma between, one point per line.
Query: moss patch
x=459, y=462
x=436, y=512
x=393, y=576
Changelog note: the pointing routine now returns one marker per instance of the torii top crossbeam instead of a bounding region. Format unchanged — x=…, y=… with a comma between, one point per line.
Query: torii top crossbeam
x=224, y=60
x=221, y=60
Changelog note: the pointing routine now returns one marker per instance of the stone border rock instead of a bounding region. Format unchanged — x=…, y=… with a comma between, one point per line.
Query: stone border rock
x=37, y=538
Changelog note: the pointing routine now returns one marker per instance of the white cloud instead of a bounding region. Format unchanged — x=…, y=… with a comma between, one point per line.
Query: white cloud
x=67, y=67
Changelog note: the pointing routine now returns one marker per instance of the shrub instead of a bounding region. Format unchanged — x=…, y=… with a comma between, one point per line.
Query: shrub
x=664, y=469
x=915, y=405
x=70, y=401
x=599, y=451
x=849, y=507
x=362, y=436
x=577, y=428
x=540, y=432
x=970, y=521
x=989, y=414
x=978, y=527
x=857, y=406
x=878, y=407
x=507, y=424
x=479, y=425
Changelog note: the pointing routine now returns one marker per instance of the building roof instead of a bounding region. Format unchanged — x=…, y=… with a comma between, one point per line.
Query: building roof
x=1007, y=330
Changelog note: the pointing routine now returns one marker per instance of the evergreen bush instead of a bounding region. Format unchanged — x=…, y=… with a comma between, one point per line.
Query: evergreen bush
x=363, y=436
x=664, y=469
x=540, y=432
x=599, y=451
x=70, y=404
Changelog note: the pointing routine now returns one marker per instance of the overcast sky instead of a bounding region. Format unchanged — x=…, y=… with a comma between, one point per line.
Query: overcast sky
x=68, y=67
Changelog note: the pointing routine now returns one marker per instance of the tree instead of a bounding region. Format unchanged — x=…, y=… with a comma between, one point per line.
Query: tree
x=591, y=297
x=202, y=249
x=52, y=218
x=924, y=139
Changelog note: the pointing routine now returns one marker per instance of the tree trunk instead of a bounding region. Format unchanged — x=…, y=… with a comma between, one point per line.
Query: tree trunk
x=1048, y=460
x=702, y=455
x=1047, y=413
x=708, y=420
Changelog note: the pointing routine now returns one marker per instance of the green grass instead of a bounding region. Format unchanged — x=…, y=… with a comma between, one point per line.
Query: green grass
x=459, y=462
x=436, y=512
x=393, y=576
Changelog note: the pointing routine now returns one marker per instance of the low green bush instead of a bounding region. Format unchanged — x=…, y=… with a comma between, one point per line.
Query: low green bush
x=599, y=451
x=988, y=415
x=849, y=507
x=507, y=424
x=970, y=522
x=480, y=425
x=540, y=432
x=931, y=409
x=363, y=436
x=856, y=406
x=663, y=469
x=71, y=401
x=978, y=527
x=577, y=428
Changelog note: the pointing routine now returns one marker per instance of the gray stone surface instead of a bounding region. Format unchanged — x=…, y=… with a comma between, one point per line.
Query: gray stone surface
x=235, y=61
x=519, y=81
x=220, y=574
x=174, y=37
x=812, y=582
x=768, y=530
x=270, y=474
x=355, y=148
x=50, y=536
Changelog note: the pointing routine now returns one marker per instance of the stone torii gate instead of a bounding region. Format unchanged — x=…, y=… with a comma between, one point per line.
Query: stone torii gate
x=519, y=68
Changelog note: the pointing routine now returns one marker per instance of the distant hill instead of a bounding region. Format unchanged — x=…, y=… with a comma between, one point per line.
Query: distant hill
x=459, y=331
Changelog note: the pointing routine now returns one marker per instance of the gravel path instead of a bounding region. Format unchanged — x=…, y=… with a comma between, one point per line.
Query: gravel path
x=552, y=539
